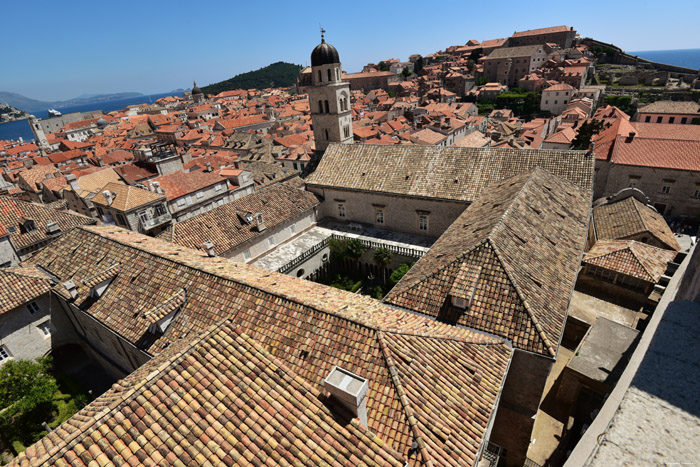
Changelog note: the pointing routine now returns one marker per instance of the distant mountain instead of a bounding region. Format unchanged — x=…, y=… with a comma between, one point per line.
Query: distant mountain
x=280, y=74
x=32, y=105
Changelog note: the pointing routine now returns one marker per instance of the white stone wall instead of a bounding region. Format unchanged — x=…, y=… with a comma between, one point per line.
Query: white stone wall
x=201, y=201
x=555, y=101
x=679, y=201
x=400, y=213
x=19, y=330
x=7, y=252
x=260, y=244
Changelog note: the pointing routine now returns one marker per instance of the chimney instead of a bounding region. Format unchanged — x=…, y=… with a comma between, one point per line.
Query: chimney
x=70, y=287
x=73, y=181
x=108, y=196
x=28, y=162
x=209, y=246
x=208, y=167
x=631, y=136
x=52, y=228
x=158, y=189
x=151, y=187
x=350, y=390
x=260, y=221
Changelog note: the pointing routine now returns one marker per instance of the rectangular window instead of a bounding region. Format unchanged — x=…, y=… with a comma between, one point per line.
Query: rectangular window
x=341, y=210
x=346, y=131
x=696, y=193
x=659, y=119
x=217, y=187
x=666, y=188
x=634, y=181
x=246, y=255
x=647, y=119
x=294, y=164
x=188, y=200
x=33, y=308
x=423, y=222
x=45, y=328
x=684, y=120
x=671, y=119
x=181, y=202
x=122, y=220
x=4, y=354
x=379, y=215
x=200, y=194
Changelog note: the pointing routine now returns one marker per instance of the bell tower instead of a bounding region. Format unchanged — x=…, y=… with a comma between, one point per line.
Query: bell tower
x=329, y=98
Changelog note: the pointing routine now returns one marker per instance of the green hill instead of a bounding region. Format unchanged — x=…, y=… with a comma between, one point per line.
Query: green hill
x=277, y=75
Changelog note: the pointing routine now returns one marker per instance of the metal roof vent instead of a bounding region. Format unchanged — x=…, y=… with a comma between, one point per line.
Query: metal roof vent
x=350, y=390
x=209, y=246
x=52, y=228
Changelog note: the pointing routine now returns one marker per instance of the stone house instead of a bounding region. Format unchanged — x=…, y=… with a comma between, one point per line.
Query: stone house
x=368, y=81
x=507, y=65
x=673, y=112
x=247, y=228
x=25, y=320
x=658, y=159
x=32, y=226
x=423, y=189
x=556, y=98
x=191, y=193
x=563, y=36
x=132, y=208
x=507, y=266
x=80, y=191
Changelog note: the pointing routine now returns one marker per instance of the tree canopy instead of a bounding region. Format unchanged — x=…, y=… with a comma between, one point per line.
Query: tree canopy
x=280, y=74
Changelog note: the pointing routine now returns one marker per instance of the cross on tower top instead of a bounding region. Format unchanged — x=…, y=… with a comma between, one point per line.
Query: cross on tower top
x=323, y=31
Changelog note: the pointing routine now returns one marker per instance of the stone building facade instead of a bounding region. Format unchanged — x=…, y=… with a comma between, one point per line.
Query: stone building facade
x=329, y=98
x=507, y=65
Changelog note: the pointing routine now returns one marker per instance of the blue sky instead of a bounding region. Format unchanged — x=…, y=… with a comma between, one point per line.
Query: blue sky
x=60, y=49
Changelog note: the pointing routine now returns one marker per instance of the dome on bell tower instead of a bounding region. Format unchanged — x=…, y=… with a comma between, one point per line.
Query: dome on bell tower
x=324, y=53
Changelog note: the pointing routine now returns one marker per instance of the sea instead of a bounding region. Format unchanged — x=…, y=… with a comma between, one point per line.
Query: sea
x=688, y=58
x=20, y=129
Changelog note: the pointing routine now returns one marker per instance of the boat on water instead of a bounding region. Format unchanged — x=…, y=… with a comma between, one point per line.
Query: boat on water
x=54, y=113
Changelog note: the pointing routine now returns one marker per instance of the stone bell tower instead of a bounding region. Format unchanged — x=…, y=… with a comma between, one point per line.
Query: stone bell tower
x=329, y=98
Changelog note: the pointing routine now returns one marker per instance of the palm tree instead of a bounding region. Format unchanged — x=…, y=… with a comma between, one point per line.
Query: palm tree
x=382, y=257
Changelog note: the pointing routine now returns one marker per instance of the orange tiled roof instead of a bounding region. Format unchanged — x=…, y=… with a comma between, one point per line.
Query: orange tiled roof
x=177, y=184
x=440, y=172
x=629, y=217
x=309, y=326
x=631, y=258
x=225, y=227
x=513, y=255
x=126, y=197
x=19, y=286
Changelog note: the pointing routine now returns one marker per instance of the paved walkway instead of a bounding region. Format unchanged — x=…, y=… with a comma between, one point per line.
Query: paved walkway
x=292, y=248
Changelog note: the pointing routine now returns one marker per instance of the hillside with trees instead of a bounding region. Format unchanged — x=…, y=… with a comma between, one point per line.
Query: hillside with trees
x=280, y=74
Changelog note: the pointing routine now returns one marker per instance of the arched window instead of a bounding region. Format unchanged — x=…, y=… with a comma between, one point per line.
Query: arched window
x=329, y=74
x=327, y=111
x=320, y=107
x=320, y=76
x=337, y=74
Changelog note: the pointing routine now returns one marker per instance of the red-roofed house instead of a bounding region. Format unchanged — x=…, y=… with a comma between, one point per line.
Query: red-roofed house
x=192, y=193
x=556, y=98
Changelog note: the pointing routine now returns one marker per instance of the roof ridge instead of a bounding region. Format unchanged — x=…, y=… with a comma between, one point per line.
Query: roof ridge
x=127, y=394
x=533, y=318
x=631, y=252
x=405, y=403
x=280, y=294
x=639, y=213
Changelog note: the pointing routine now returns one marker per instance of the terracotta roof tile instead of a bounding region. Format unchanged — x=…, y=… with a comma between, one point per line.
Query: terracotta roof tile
x=126, y=197
x=440, y=172
x=21, y=285
x=513, y=256
x=631, y=258
x=628, y=217
x=225, y=226
x=310, y=326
